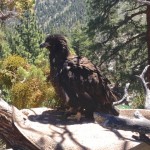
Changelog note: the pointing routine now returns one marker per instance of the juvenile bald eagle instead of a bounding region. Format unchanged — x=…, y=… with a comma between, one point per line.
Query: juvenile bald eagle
x=80, y=80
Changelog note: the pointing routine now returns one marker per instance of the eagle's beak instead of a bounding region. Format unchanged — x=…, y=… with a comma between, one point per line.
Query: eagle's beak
x=45, y=44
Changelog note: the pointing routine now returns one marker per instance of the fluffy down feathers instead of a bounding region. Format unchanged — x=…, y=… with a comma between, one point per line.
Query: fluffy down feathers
x=81, y=82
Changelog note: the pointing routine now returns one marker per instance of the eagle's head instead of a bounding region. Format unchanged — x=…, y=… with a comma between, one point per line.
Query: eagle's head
x=54, y=41
x=59, y=51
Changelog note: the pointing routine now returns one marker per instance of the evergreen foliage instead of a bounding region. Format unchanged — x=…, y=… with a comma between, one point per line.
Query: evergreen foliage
x=119, y=32
x=80, y=41
x=56, y=16
x=25, y=38
x=13, y=8
x=4, y=45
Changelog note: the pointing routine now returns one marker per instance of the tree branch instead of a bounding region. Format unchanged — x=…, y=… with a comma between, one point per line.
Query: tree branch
x=117, y=48
x=9, y=14
x=125, y=98
x=143, y=2
x=121, y=23
x=128, y=10
x=128, y=18
x=147, y=90
x=138, y=124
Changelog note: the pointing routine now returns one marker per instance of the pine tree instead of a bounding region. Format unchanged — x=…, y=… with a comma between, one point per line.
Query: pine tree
x=57, y=14
x=119, y=32
x=80, y=41
x=26, y=37
x=4, y=45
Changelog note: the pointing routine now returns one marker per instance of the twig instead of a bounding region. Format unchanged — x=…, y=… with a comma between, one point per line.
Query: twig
x=125, y=96
x=147, y=90
x=144, y=2
x=6, y=16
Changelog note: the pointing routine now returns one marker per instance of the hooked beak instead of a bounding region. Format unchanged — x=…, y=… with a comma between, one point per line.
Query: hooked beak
x=44, y=45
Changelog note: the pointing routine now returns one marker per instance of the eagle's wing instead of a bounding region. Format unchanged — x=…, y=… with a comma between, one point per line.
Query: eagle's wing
x=82, y=80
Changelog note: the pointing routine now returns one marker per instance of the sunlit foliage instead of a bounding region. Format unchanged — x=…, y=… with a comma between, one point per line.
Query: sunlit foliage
x=26, y=85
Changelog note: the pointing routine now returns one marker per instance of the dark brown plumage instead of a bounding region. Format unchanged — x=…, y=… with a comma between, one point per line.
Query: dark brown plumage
x=84, y=87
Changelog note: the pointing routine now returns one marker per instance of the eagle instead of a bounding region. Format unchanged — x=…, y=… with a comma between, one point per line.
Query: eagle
x=78, y=80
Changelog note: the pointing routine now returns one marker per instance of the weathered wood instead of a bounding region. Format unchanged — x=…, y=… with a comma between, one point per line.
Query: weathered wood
x=125, y=98
x=143, y=2
x=137, y=124
x=146, y=87
x=40, y=129
x=8, y=131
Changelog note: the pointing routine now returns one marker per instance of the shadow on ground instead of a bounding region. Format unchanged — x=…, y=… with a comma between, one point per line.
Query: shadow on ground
x=56, y=117
x=83, y=135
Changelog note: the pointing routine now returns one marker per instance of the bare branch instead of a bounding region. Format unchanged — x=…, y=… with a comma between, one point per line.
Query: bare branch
x=125, y=97
x=9, y=14
x=140, y=124
x=123, y=123
x=147, y=90
x=122, y=23
x=128, y=10
x=116, y=49
x=144, y=2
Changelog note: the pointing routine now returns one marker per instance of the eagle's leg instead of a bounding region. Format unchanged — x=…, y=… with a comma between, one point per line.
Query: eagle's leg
x=79, y=113
x=78, y=116
x=73, y=111
x=69, y=112
x=88, y=105
x=89, y=113
x=73, y=103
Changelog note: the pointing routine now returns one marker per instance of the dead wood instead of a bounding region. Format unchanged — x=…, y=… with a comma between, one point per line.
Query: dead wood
x=138, y=124
x=8, y=131
x=125, y=98
x=5, y=16
x=146, y=89
x=143, y=2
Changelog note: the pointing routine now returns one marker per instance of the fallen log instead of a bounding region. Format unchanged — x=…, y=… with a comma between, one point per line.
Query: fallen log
x=9, y=132
x=137, y=124
x=43, y=129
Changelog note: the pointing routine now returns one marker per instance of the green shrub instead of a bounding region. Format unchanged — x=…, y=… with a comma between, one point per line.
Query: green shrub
x=25, y=85
x=138, y=101
x=13, y=62
x=9, y=67
x=32, y=93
